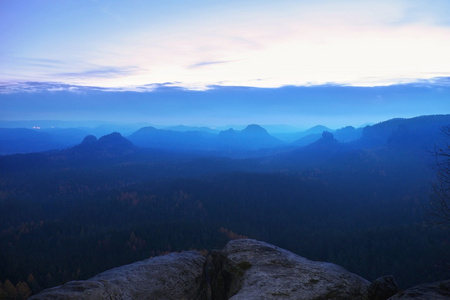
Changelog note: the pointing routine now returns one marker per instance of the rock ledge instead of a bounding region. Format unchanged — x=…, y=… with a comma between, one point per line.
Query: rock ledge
x=244, y=269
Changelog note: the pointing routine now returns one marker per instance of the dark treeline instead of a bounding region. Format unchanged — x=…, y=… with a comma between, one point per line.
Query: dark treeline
x=68, y=215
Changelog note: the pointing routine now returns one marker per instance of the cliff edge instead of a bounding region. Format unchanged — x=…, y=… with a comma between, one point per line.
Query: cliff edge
x=244, y=269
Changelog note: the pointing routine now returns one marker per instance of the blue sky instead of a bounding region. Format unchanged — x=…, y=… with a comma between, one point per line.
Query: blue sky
x=138, y=46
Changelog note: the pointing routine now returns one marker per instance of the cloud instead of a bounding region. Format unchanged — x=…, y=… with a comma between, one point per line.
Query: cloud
x=103, y=72
x=208, y=63
x=205, y=43
x=43, y=62
x=39, y=87
x=35, y=87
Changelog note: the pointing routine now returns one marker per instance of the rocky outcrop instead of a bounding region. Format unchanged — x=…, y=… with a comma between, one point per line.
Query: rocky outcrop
x=437, y=291
x=108, y=146
x=382, y=288
x=244, y=269
x=174, y=276
x=249, y=269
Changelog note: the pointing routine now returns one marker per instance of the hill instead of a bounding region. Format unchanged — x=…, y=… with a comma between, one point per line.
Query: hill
x=172, y=140
x=252, y=137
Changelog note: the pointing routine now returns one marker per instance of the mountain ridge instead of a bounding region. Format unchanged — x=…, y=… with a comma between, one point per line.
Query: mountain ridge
x=251, y=138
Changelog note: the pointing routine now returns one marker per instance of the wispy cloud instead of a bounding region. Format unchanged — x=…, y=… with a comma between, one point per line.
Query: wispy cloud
x=35, y=87
x=209, y=63
x=103, y=72
x=38, y=87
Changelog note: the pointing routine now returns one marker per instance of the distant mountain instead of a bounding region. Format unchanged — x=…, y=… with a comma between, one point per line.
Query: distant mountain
x=317, y=129
x=306, y=140
x=415, y=133
x=326, y=141
x=253, y=137
x=303, y=138
x=151, y=137
x=24, y=140
x=183, y=128
x=21, y=140
x=66, y=137
x=254, y=130
x=347, y=134
x=309, y=136
x=322, y=150
x=392, y=144
x=107, y=146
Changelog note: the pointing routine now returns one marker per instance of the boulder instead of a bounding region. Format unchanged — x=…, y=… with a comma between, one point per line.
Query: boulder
x=173, y=276
x=382, y=288
x=437, y=291
x=249, y=269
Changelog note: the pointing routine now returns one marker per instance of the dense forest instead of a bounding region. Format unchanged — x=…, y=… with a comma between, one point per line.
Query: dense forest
x=70, y=214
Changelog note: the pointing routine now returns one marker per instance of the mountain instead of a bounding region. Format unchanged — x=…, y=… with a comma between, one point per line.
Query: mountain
x=151, y=137
x=324, y=150
x=344, y=135
x=24, y=140
x=392, y=145
x=21, y=140
x=348, y=134
x=306, y=140
x=244, y=269
x=183, y=128
x=318, y=129
x=252, y=137
x=301, y=138
x=111, y=145
x=420, y=132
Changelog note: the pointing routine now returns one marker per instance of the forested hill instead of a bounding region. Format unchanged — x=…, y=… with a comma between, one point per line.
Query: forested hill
x=73, y=213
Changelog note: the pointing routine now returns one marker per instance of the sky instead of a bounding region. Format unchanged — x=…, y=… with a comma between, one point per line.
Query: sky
x=116, y=47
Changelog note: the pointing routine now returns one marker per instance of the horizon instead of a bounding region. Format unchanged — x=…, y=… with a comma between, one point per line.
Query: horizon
x=117, y=127
x=214, y=64
x=300, y=107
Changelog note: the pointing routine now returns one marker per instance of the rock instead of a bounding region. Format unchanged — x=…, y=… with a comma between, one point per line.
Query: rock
x=437, y=291
x=173, y=276
x=382, y=288
x=244, y=269
x=249, y=269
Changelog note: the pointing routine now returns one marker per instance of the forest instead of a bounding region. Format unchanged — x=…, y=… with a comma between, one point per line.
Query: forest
x=363, y=204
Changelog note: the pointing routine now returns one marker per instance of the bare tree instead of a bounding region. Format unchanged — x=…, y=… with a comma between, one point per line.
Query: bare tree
x=440, y=200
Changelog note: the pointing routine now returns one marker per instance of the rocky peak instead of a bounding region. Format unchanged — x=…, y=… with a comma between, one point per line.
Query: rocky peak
x=110, y=145
x=249, y=269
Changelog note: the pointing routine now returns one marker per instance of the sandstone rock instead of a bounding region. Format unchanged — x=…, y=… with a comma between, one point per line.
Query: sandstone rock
x=249, y=269
x=174, y=276
x=436, y=291
x=244, y=269
x=382, y=288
